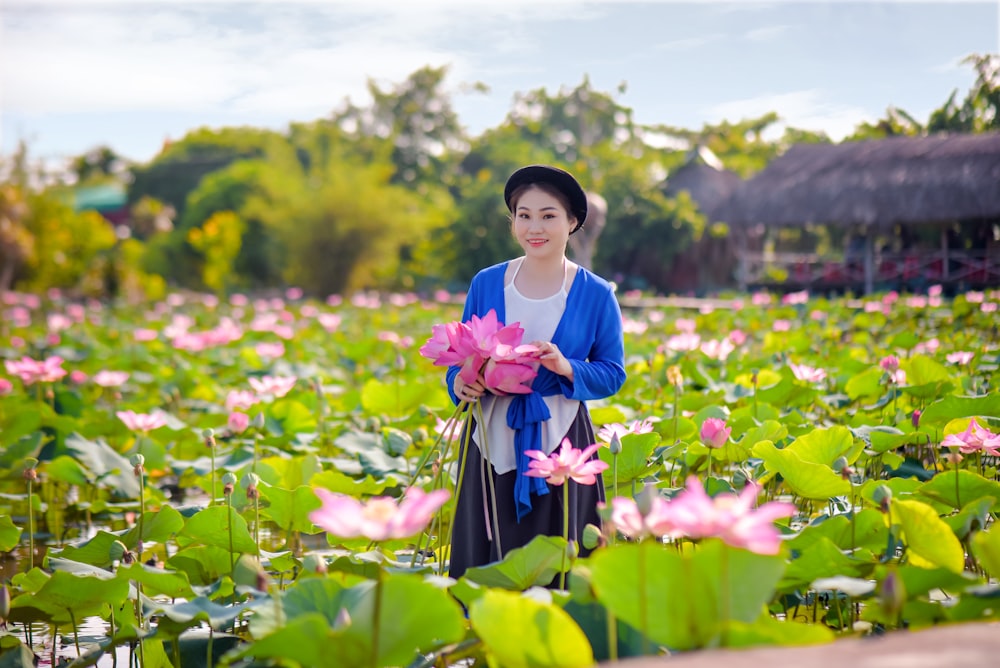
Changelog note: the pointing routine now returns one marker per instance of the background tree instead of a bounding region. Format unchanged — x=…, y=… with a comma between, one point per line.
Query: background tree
x=179, y=167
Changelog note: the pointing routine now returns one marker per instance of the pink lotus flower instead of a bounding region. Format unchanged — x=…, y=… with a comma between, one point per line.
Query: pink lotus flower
x=714, y=432
x=612, y=429
x=686, y=325
x=444, y=427
x=270, y=349
x=484, y=345
x=683, y=342
x=566, y=463
x=807, y=373
x=737, y=336
x=241, y=399
x=730, y=517
x=974, y=439
x=380, y=518
x=509, y=377
x=6, y=387
x=238, y=422
x=329, y=321
x=889, y=363
x=142, y=422
x=718, y=349
x=110, y=378
x=629, y=520
x=78, y=377
x=277, y=386
x=960, y=357
x=32, y=371
x=142, y=335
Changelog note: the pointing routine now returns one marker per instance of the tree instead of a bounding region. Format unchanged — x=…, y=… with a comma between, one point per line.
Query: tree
x=178, y=169
x=99, y=164
x=980, y=110
x=416, y=119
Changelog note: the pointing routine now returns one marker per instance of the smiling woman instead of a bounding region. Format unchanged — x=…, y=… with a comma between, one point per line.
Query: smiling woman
x=572, y=317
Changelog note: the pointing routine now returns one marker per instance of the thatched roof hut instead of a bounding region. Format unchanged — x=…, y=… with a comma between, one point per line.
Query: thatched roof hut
x=705, y=179
x=874, y=183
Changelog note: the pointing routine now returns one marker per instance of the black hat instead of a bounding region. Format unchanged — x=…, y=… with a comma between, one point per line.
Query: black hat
x=560, y=178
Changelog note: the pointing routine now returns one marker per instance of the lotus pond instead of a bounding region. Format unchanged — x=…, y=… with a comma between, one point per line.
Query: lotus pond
x=159, y=465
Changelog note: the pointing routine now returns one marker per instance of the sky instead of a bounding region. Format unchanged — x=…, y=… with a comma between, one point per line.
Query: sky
x=131, y=74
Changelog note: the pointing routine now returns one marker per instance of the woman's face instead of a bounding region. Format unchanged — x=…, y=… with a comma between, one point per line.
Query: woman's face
x=541, y=224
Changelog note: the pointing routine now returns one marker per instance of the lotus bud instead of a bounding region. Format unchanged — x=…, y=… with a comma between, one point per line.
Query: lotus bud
x=615, y=446
x=592, y=536
x=915, y=418
x=228, y=483
x=882, y=495
x=400, y=362
x=314, y=563
x=342, y=620
x=249, y=573
x=420, y=434
x=753, y=377
x=841, y=466
x=258, y=422
x=892, y=595
x=209, y=436
x=674, y=376
x=250, y=481
x=644, y=500
x=30, y=473
x=137, y=462
x=117, y=551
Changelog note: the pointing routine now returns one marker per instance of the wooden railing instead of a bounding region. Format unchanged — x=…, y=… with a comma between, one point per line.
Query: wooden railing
x=912, y=270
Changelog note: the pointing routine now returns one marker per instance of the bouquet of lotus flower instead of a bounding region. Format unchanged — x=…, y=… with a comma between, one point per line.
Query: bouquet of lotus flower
x=482, y=346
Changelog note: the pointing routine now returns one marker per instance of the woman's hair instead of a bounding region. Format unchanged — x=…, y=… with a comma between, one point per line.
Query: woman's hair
x=548, y=188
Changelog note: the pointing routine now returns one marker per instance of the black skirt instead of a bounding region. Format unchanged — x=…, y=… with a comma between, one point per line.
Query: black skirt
x=472, y=545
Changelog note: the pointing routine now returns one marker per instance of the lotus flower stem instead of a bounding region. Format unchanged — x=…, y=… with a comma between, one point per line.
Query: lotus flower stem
x=724, y=587
x=446, y=432
x=463, y=454
x=562, y=570
x=643, y=612
x=76, y=632
x=490, y=479
x=31, y=530
x=612, y=636
x=211, y=637
x=376, y=614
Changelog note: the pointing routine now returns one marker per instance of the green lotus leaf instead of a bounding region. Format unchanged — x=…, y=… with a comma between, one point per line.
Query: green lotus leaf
x=929, y=541
x=520, y=632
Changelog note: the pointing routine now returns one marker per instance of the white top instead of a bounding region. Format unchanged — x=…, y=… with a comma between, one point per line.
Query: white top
x=539, y=318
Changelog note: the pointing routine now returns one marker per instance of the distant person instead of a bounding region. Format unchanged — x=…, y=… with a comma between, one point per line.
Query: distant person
x=572, y=315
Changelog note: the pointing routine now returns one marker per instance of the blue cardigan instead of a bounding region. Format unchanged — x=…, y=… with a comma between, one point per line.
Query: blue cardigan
x=589, y=335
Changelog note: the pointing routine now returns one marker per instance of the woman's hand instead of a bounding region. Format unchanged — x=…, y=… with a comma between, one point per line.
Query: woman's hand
x=550, y=357
x=471, y=391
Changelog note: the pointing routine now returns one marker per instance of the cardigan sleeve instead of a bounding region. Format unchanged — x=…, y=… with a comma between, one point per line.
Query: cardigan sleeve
x=602, y=373
x=449, y=375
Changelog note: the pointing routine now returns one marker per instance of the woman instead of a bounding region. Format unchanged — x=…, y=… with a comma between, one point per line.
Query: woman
x=572, y=316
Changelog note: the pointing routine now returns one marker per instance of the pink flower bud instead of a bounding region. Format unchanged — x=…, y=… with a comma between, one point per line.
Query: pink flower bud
x=715, y=433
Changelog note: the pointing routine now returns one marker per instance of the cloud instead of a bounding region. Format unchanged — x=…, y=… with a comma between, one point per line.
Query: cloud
x=294, y=59
x=766, y=33
x=689, y=42
x=804, y=109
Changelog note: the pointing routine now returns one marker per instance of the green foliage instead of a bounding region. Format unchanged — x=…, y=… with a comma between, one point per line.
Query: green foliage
x=180, y=166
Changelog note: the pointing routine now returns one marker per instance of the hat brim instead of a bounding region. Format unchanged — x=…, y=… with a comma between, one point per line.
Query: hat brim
x=562, y=180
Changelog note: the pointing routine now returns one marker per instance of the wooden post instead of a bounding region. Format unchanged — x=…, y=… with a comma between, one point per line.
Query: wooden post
x=869, y=260
x=944, y=254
